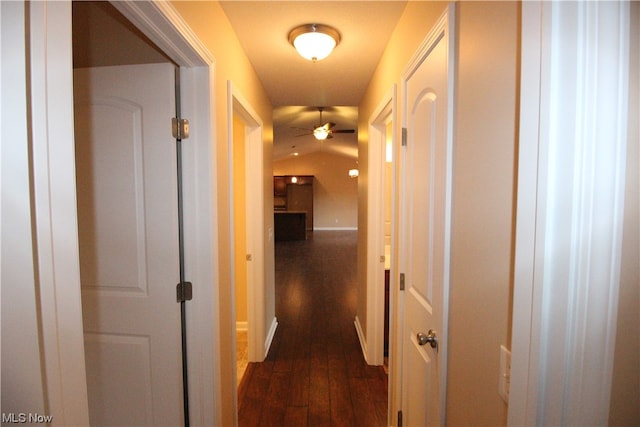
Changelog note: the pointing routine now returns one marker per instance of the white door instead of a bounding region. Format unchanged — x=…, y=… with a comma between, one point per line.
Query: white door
x=425, y=216
x=128, y=232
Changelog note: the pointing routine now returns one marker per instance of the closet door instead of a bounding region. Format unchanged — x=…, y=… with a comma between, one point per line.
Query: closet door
x=128, y=235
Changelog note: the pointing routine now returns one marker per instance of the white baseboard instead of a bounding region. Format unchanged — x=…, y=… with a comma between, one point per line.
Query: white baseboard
x=361, y=338
x=270, y=335
x=335, y=229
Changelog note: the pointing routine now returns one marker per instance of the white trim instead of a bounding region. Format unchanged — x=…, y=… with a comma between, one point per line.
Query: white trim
x=270, y=334
x=55, y=200
x=361, y=337
x=378, y=121
x=335, y=228
x=522, y=387
x=55, y=211
x=22, y=360
x=237, y=105
x=570, y=211
x=164, y=25
x=254, y=179
x=201, y=242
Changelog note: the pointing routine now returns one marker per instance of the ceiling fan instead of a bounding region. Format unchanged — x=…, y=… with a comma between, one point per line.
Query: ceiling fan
x=324, y=130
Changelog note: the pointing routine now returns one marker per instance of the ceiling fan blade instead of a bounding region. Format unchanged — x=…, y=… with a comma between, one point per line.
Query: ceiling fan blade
x=325, y=130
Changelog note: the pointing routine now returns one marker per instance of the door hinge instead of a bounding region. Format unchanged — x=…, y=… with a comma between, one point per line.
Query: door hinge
x=402, y=281
x=180, y=128
x=404, y=137
x=399, y=418
x=184, y=291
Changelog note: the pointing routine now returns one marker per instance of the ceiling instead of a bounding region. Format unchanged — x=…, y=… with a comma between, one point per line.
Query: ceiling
x=296, y=86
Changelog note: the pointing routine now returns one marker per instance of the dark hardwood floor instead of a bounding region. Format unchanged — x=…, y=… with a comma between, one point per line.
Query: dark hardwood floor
x=315, y=374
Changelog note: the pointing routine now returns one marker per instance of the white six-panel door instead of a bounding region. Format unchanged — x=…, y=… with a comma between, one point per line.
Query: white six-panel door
x=128, y=233
x=425, y=218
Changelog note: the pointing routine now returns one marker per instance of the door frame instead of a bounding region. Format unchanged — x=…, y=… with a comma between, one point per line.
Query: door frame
x=55, y=204
x=384, y=113
x=445, y=24
x=237, y=105
x=552, y=369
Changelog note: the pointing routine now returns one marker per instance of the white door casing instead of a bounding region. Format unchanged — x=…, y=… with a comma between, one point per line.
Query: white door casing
x=54, y=202
x=425, y=212
x=260, y=330
x=128, y=234
x=373, y=345
x=163, y=24
x=571, y=174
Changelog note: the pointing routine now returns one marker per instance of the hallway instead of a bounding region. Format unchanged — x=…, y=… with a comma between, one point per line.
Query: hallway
x=315, y=373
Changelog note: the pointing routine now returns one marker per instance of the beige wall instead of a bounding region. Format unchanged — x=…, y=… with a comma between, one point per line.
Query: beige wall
x=625, y=393
x=483, y=209
x=212, y=27
x=483, y=192
x=335, y=194
x=240, y=219
x=412, y=28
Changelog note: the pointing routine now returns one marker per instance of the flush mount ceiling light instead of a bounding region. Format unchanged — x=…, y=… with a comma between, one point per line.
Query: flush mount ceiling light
x=314, y=41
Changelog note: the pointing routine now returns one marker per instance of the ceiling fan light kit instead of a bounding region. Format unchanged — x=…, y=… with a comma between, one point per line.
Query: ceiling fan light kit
x=314, y=41
x=325, y=130
x=321, y=132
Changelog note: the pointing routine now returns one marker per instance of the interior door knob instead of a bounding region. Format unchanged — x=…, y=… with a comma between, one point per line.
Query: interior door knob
x=430, y=337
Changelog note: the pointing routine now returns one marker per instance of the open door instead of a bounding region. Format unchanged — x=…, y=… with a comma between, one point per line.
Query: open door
x=128, y=234
x=425, y=221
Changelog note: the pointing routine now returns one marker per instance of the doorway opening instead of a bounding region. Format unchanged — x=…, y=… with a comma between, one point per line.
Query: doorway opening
x=240, y=249
x=118, y=256
x=131, y=320
x=252, y=334
x=380, y=220
x=315, y=369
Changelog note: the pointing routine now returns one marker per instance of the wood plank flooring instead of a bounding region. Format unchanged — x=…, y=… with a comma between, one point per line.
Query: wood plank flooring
x=315, y=374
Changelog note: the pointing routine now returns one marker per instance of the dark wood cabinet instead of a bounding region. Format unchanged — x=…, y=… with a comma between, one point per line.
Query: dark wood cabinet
x=290, y=225
x=279, y=186
x=300, y=199
x=294, y=194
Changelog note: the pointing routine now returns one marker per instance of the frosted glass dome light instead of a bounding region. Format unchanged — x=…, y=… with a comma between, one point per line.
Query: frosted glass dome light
x=314, y=41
